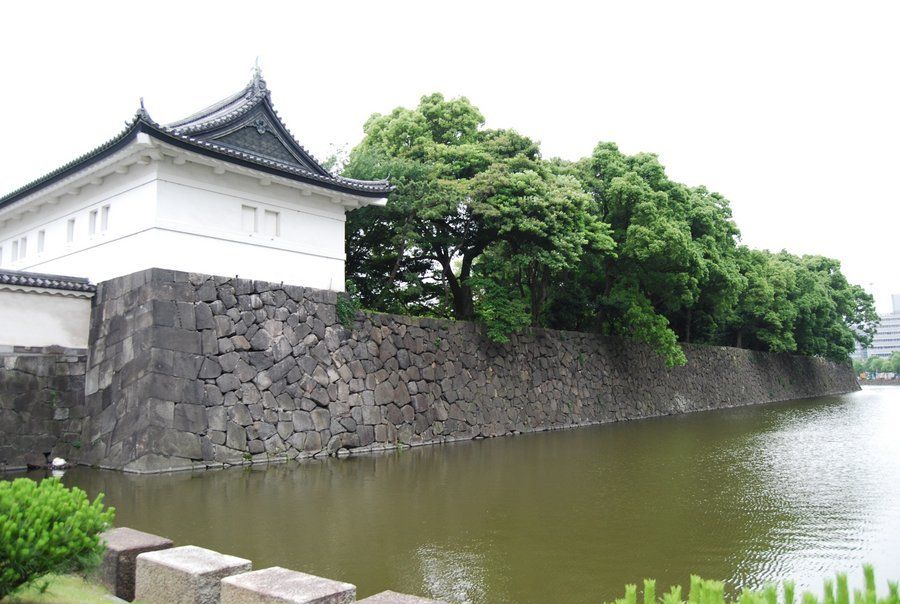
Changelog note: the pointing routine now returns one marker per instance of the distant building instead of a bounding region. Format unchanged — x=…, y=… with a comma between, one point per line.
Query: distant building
x=227, y=191
x=887, y=338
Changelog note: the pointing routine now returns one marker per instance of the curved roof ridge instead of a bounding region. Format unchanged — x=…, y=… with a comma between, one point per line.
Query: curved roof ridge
x=140, y=115
x=294, y=140
x=189, y=133
x=226, y=109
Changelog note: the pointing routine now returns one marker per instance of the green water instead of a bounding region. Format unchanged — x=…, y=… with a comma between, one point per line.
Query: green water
x=797, y=490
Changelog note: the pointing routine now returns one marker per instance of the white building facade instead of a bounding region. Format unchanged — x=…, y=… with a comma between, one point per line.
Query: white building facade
x=227, y=191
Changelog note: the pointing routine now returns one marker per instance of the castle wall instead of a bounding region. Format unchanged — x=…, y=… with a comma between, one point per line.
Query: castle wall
x=193, y=371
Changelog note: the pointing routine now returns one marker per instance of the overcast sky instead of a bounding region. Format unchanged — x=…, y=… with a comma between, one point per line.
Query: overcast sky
x=789, y=109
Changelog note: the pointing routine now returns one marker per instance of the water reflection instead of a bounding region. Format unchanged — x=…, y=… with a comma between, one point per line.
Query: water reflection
x=748, y=495
x=455, y=574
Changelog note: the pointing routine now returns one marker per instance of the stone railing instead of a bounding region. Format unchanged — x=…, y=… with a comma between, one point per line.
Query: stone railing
x=147, y=568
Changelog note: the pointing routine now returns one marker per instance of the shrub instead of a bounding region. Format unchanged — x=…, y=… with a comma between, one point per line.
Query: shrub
x=713, y=592
x=347, y=305
x=47, y=528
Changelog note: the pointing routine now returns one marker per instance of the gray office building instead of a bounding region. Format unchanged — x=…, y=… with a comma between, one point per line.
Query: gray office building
x=887, y=338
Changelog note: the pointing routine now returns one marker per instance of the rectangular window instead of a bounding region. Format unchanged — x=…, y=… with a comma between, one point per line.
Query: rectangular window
x=40, y=248
x=15, y=251
x=248, y=219
x=70, y=231
x=23, y=247
x=104, y=219
x=92, y=222
x=272, y=223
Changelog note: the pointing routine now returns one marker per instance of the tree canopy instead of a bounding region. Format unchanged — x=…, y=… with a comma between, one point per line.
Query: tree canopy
x=481, y=227
x=874, y=364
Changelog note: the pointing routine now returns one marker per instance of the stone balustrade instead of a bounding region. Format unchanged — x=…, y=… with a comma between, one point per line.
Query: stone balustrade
x=144, y=567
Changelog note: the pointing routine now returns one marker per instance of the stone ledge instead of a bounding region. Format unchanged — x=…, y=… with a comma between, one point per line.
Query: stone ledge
x=186, y=574
x=280, y=585
x=123, y=545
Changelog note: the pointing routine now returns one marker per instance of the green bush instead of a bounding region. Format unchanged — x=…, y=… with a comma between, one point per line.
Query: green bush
x=347, y=305
x=47, y=528
x=713, y=592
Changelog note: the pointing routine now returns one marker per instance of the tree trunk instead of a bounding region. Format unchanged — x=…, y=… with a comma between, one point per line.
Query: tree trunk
x=460, y=292
x=740, y=337
x=607, y=288
x=687, y=326
x=538, y=288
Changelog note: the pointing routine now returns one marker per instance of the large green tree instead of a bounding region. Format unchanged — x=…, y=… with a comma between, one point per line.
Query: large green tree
x=434, y=226
x=674, y=263
x=545, y=225
x=481, y=227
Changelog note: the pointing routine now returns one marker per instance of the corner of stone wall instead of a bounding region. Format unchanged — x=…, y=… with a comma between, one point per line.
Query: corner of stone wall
x=130, y=315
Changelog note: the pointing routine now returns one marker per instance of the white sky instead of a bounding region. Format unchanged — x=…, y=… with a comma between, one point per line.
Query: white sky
x=790, y=109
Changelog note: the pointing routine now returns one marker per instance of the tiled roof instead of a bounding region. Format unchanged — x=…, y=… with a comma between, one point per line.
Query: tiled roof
x=198, y=132
x=77, y=284
x=225, y=110
x=106, y=148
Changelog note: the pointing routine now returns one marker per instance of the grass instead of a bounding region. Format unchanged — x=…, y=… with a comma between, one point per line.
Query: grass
x=62, y=589
x=713, y=592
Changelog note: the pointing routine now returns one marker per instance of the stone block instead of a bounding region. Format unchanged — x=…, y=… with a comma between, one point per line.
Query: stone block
x=279, y=585
x=184, y=575
x=392, y=597
x=122, y=548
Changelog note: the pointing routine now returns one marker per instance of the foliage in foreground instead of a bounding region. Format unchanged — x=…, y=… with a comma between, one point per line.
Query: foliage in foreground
x=481, y=227
x=47, y=528
x=713, y=592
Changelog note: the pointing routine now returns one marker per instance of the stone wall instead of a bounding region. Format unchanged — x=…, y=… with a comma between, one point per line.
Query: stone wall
x=189, y=371
x=41, y=404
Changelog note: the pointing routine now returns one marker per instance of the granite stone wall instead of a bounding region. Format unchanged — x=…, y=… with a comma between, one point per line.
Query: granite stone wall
x=191, y=371
x=41, y=405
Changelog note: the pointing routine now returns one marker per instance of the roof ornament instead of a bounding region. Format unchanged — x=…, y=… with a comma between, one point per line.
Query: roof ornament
x=258, y=82
x=142, y=111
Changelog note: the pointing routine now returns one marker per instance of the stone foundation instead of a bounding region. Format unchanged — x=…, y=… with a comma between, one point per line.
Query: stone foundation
x=41, y=405
x=192, y=371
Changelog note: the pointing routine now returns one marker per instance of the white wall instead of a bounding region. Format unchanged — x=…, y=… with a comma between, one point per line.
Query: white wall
x=188, y=218
x=202, y=211
x=43, y=318
x=131, y=199
x=229, y=258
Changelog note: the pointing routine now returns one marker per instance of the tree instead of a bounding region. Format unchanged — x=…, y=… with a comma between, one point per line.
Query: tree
x=544, y=227
x=800, y=304
x=660, y=268
x=435, y=227
x=481, y=227
x=875, y=364
x=764, y=315
x=893, y=363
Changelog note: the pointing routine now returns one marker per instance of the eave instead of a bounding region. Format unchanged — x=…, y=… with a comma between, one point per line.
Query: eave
x=186, y=135
x=143, y=143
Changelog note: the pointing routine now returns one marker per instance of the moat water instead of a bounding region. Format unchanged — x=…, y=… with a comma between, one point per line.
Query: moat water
x=788, y=490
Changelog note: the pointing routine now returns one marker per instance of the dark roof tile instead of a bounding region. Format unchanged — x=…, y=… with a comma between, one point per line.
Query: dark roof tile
x=77, y=284
x=198, y=132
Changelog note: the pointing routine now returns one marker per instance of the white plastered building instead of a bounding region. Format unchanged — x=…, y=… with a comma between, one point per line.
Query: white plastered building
x=227, y=191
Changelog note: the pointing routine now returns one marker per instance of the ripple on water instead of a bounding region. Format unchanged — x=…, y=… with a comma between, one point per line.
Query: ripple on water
x=791, y=490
